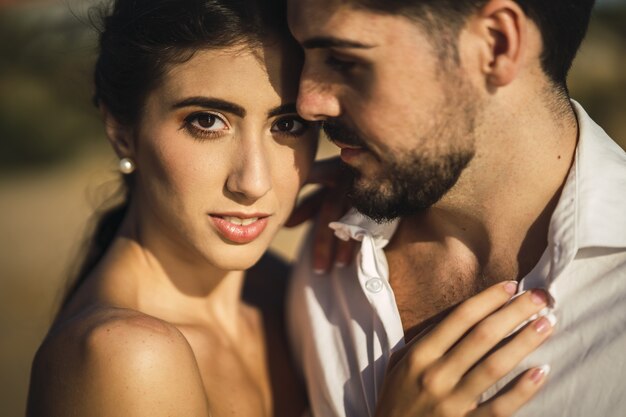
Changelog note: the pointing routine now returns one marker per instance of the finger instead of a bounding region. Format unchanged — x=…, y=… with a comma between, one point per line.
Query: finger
x=463, y=318
x=510, y=401
x=324, y=240
x=489, y=332
x=307, y=208
x=325, y=171
x=504, y=359
x=345, y=252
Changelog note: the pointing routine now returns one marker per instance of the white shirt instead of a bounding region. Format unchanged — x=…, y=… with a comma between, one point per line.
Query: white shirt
x=345, y=325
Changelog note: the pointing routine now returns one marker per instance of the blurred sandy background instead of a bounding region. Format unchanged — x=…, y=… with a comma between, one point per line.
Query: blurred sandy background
x=55, y=167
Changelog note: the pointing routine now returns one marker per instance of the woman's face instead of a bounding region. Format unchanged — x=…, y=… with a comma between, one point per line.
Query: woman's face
x=221, y=155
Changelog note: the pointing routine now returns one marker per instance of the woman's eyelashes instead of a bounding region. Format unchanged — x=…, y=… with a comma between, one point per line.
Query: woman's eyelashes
x=290, y=125
x=204, y=125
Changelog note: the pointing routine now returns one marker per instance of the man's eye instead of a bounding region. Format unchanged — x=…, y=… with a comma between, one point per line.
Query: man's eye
x=290, y=125
x=340, y=65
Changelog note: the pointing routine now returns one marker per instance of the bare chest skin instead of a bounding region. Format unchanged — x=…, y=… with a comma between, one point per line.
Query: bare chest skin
x=433, y=269
x=429, y=277
x=235, y=373
x=246, y=371
x=425, y=287
x=251, y=374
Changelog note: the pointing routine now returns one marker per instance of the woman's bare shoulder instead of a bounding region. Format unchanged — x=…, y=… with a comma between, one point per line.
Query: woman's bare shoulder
x=119, y=361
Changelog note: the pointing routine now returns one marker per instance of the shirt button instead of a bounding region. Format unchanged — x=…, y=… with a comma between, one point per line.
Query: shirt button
x=374, y=285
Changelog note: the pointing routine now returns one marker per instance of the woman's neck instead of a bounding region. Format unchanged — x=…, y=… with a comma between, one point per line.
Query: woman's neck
x=132, y=275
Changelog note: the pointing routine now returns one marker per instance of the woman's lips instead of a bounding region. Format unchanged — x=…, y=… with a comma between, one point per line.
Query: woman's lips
x=240, y=228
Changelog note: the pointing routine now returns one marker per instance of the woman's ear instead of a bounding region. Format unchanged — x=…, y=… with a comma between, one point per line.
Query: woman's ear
x=119, y=135
x=502, y=27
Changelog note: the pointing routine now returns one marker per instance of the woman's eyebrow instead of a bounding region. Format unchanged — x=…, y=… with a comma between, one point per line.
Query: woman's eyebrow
x=282, y=109
x=212, y=103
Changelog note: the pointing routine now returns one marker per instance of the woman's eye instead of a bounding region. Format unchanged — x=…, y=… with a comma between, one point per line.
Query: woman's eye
x=205, y=125
x=290, y=125
x=206, y=121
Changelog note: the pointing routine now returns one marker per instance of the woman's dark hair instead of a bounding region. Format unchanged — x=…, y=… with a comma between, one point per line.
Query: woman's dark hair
x=139, y=39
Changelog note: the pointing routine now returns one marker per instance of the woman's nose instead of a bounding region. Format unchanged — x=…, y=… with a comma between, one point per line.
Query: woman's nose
x=250, y=178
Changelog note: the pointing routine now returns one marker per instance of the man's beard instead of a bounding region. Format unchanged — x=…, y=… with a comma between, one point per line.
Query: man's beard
x=410, y=185
x=418, y=179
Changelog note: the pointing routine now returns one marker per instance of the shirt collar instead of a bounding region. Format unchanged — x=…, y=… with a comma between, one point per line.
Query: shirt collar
x=355, y=225
x=590, y=211
x=601, y=187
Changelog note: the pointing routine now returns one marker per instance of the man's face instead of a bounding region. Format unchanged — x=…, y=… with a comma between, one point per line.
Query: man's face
x=403, y=116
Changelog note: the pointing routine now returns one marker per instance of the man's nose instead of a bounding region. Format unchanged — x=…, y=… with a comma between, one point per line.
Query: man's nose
x=317, y=99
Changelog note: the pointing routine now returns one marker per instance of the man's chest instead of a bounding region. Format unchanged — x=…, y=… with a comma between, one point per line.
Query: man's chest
x=427, y=283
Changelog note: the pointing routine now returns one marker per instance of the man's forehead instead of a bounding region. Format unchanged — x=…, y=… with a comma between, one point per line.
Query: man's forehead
x=300, y=10
x=335, y=18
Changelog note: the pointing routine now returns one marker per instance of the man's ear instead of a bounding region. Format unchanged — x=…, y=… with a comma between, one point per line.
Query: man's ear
x=120, y=136
x=502, y=28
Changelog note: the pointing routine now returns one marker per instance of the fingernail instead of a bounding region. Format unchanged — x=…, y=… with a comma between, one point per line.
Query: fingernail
x=510, y=287
x=544, y=312
x=545, y=323
x=318, y=271
x=539, y=297
x=538, y=374
x=551, y=318
x=340, y=264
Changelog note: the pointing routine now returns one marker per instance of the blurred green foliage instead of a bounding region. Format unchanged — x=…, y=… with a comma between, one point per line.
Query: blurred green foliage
x=598, y=77
x=45, y=65
x=613, y=17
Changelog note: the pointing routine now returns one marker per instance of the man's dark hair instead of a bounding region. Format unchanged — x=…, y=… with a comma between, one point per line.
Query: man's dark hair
x=563, y=25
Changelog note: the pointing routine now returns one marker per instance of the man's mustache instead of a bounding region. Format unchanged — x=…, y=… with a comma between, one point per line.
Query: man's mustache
x=339, y=132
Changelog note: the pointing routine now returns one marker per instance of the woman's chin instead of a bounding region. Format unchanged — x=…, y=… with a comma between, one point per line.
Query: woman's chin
x=236, y=258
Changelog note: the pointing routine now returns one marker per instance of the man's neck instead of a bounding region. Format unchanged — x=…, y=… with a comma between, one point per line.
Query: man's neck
x=503, y=202
x=493, y=225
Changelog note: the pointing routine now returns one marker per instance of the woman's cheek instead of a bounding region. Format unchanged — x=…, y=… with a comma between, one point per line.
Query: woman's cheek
x=305, y=155
x=291, y=170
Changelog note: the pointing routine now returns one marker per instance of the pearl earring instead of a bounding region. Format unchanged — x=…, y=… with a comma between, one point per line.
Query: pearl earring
x=126, y=166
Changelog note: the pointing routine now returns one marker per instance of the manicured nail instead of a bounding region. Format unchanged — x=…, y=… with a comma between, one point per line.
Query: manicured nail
x=545, y=323
x=510, y=287
x=317, y=271
x=539, y=297
x=538, y=374
x=544, y=312
x=551, y=318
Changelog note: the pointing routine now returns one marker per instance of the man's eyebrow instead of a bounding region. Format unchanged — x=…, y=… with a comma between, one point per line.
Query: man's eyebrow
x=212, y=103
x=282, y=109
x=332, y=42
